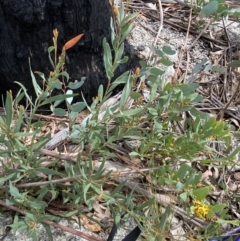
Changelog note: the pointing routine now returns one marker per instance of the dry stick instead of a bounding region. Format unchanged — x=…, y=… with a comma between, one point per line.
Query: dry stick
x=47, y=117
x=200, y=34
x=41, y=183
x=168, y=1
x=183, y=3
x=57, y=155
x=160, y=27
x=183, y=28
x=160, y=21
x=183, y=49
x=56, y=225
x=71, y=179
x=161, y=199
x=221, y=113
x=194, y=42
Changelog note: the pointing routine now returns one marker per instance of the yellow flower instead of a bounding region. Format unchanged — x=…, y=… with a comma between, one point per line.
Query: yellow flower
x=200, y=209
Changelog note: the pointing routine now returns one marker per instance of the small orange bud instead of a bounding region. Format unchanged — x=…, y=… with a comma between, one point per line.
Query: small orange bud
x=137, y=71
x=72, y=42
x=142, y=86
x=52, y=73
x=115, y=9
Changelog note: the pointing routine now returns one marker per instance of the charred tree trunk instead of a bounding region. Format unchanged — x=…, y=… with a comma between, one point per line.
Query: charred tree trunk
x=26, y=30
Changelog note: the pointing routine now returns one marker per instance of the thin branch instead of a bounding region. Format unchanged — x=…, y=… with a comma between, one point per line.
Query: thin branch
x=160, y=26
x=164, y=201
x=175, y=77
x=56, y=225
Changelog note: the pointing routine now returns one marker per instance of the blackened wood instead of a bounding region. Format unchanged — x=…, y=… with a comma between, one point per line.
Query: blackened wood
x=26, y=30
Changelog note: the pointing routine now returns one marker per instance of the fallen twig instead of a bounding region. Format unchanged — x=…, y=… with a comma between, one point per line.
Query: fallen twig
x=56, y=225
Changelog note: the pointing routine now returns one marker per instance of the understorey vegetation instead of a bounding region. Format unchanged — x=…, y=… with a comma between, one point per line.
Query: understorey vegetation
x=152, y=127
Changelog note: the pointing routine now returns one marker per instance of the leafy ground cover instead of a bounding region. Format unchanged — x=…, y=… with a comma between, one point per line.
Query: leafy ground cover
x=155, y=157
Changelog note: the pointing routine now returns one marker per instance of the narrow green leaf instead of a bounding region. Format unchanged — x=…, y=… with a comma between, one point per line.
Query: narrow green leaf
x=57, y=97
x=109, y=73
x=156, y=71
x=37, y=204
x=107, y=59
x=152, y=111
x=33, y=235
x=201, y=193
x=121, y=14
x=65, y=74
x=85, y=190
x=15, y=193
x=50, y=49
x=198, y=66
x=218, y=207
x=100, y=92
x=69, y=214
x=25, y=92
x=209, y=9
x=197, y=124
x=129, y=18
x=41, y=143
x=125, y=32
x=219, y=69
x=6, y=178
x=234, y=63
x=135, y=95
x=118, y=188
x=20, y=95
x=184, y=196
x=37, y=89
x=117, y=219
x=75, y=85
x=78, y=107
x=40, y=74
x=224, y=221
x=59, y=112
x=130, y=112
x=164, y=218
x=168, y=50
x=115, y=43
x=208, y=124
x=182, y=172
x=113, y=35
x=119, y=53
x=183, y=108
x=146, y=204
x=159, y=53
x=166, y=61
x=122, y=79
x=143, y=63
x=123, y=60
x=48, y=171
x=56, y=84
x=48, y=231
x=126, y=92
x=9, y=109
x=19, y=122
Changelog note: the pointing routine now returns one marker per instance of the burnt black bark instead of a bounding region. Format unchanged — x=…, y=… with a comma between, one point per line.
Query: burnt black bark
x=26, y=30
